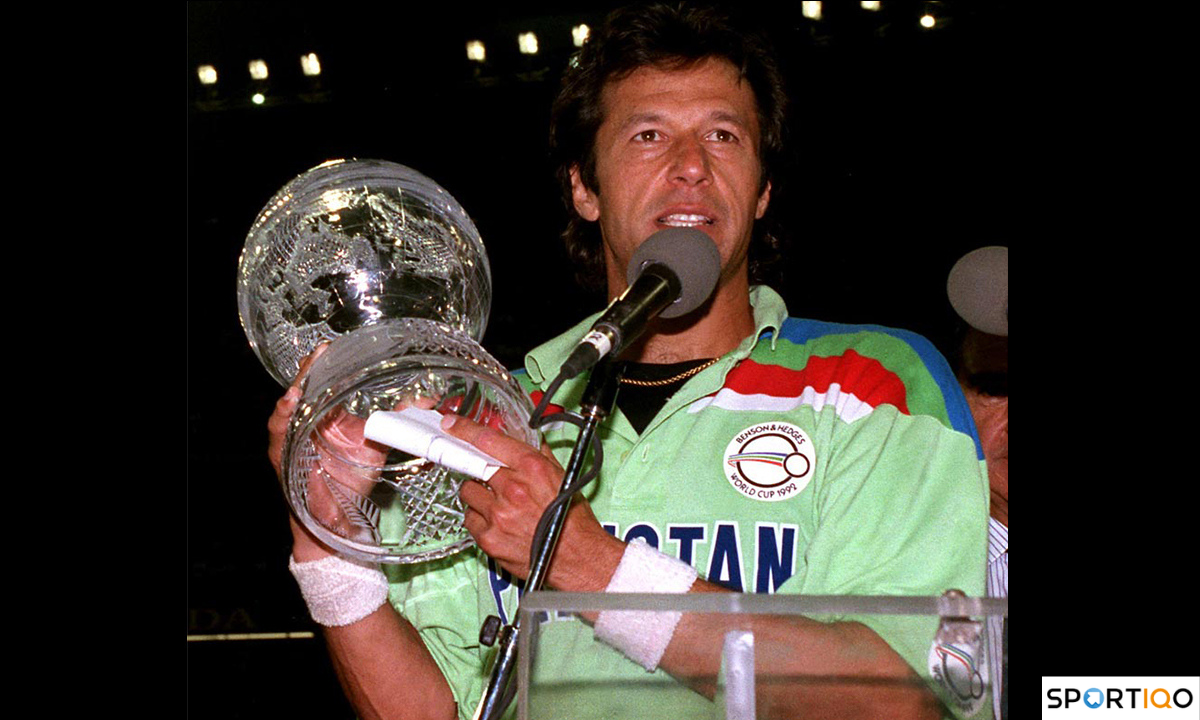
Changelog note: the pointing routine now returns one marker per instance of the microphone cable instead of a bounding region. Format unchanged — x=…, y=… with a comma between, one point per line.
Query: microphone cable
x=568, y=491
x=597, y=401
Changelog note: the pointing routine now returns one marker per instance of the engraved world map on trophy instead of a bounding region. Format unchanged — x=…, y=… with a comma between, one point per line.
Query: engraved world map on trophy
x=386, y=267
x=352, y=242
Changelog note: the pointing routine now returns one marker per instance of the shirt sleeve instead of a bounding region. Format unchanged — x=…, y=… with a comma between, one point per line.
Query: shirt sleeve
x=902, y=510
x=439, y=599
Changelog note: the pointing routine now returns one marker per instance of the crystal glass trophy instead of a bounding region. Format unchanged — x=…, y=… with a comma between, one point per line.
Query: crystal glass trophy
x=384, y=265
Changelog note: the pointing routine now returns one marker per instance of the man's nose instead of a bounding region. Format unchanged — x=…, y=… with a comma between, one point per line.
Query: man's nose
x=690, y=163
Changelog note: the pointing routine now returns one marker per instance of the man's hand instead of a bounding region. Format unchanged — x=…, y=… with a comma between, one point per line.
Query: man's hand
x=338, y=470
x=502, y=514
x=277, y=424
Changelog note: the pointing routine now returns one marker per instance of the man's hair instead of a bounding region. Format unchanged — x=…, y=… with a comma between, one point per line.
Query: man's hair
x=981, y=361
x=666, y=37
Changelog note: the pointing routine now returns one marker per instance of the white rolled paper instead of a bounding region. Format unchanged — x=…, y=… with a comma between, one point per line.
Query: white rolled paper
x=419, y=432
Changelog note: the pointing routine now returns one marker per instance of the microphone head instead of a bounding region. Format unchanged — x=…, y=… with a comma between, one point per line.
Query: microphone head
x=688, y=253
x=978, y=289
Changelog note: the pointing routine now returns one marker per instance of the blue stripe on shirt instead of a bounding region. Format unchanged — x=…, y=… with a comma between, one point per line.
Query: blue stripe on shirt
x=800, y=331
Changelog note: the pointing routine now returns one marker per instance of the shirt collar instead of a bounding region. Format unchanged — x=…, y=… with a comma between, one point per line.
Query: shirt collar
x=769, y=313
x=543, y=362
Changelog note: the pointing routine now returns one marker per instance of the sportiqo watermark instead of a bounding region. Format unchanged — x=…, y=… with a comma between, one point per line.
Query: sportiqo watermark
x=1119, y=696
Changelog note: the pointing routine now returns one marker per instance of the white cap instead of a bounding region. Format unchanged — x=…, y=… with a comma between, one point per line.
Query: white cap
x=978, y=289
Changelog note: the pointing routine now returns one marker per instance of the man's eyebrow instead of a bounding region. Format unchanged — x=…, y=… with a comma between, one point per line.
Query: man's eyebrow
x=729, y=117
x=641, y=119
x=655, y=117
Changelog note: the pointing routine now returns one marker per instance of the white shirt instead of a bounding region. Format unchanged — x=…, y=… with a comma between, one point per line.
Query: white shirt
x=997, y=586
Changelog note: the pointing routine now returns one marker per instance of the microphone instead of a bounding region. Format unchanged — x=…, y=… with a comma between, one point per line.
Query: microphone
x=671, y=274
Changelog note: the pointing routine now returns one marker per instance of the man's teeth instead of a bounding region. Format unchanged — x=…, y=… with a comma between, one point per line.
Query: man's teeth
x=684, y=220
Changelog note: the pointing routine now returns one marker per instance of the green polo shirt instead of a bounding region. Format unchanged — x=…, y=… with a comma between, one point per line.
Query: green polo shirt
x=815, y=458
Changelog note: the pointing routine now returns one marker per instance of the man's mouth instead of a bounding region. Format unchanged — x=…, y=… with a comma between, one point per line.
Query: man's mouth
x=685, y=220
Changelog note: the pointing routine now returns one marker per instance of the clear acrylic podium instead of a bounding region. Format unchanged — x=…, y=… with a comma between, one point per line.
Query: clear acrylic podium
x=951, y=629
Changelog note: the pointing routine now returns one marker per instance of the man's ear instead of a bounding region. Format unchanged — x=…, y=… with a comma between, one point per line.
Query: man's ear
x=763, y=201
x=586, y=202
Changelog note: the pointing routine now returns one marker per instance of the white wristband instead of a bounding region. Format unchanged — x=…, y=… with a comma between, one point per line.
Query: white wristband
x=643, y=636
x=339, y=592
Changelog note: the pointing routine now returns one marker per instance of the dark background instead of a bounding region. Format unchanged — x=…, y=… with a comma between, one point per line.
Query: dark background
x=910, y=150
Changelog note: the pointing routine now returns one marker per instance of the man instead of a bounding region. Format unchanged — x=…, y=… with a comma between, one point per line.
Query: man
x=978, y=291
x=987, y=396
x=667, y=121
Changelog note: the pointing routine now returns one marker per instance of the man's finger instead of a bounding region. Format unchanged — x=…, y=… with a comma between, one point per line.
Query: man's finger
x=477, y=496
x=307, y=362
x=493, y=442
x=285, y=405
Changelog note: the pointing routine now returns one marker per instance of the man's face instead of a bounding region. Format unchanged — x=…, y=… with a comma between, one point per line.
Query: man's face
x=676, y=148
x=991, y=420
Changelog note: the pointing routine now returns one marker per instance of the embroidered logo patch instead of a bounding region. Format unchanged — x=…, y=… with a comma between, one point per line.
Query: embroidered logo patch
x=770, y=461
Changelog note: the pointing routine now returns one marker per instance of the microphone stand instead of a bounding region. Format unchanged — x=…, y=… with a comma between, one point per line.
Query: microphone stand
x=597, y=403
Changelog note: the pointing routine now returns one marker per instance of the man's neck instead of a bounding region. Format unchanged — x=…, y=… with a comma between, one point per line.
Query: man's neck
x=716, y=328
x=999, y=508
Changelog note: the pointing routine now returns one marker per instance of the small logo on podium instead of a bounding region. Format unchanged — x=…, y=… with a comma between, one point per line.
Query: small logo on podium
x=963, y=676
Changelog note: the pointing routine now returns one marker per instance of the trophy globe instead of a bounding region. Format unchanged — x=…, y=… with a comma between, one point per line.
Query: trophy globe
x=383, y=265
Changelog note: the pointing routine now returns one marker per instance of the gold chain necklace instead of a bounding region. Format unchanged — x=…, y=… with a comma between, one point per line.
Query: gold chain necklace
x=668, y=381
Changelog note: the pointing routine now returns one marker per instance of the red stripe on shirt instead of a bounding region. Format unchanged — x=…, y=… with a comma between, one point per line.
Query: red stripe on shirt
x=865, y=378
x=551, y=408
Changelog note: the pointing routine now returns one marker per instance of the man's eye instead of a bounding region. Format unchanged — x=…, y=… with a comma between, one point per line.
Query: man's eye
x=723, y=136
x=647, y=136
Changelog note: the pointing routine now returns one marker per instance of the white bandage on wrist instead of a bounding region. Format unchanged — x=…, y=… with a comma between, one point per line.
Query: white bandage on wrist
x=643, y=636
x=337, y=591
